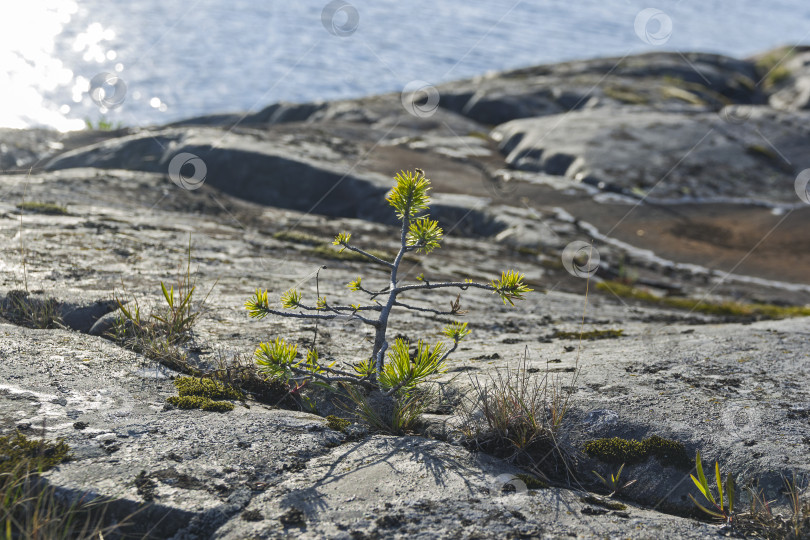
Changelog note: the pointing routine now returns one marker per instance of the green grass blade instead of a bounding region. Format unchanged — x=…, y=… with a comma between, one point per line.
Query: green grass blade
x=710, y=512
x=187, y=300
x=719, y=480
x=618, y=474
x=124, y=310
x=699, y=486
x=169, y=299
x=730, y=491
x=706, y=491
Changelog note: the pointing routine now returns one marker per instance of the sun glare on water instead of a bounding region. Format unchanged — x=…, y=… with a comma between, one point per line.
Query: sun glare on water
x=32, y=68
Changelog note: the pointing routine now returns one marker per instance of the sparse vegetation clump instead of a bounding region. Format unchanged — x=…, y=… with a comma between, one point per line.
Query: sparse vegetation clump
x=163, y=336
x=34, y=455
x=42, y=208
x=389, y=370
x=21, y=308
x=241, y=372
x=29, y=508
x=614, y=483
x=723, y=504
x=758, y=519
x=160, y=334
x=516, y=416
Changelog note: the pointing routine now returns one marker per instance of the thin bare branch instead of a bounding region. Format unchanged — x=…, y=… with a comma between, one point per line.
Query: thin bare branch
x=305, y=373
x=323, y=317
x=376, y=294
x=463, y=285
x=368, y=255
x=339, y=308
x=340, y=372
x=424, y=309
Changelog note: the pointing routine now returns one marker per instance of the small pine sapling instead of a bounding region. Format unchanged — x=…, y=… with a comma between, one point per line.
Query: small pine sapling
x=400, y=373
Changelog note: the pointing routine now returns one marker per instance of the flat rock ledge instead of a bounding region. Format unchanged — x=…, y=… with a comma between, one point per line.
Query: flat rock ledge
x=259, y=472
x=655, y=158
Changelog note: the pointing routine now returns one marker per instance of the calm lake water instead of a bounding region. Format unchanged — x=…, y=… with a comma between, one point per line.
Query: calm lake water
x=164, y=60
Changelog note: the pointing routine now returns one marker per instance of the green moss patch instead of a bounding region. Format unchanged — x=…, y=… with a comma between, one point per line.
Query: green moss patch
x=199, y=402
x=531, y=481
x=198, y=393
x=628, y=451
x=43, y=208
x=728, y=308
x=591, y=334
x=18, y=450
x=209, y=388
x=337, y=423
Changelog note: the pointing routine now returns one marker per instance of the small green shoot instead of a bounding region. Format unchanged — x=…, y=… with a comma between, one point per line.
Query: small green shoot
x=723, y=505
x=614, y=484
